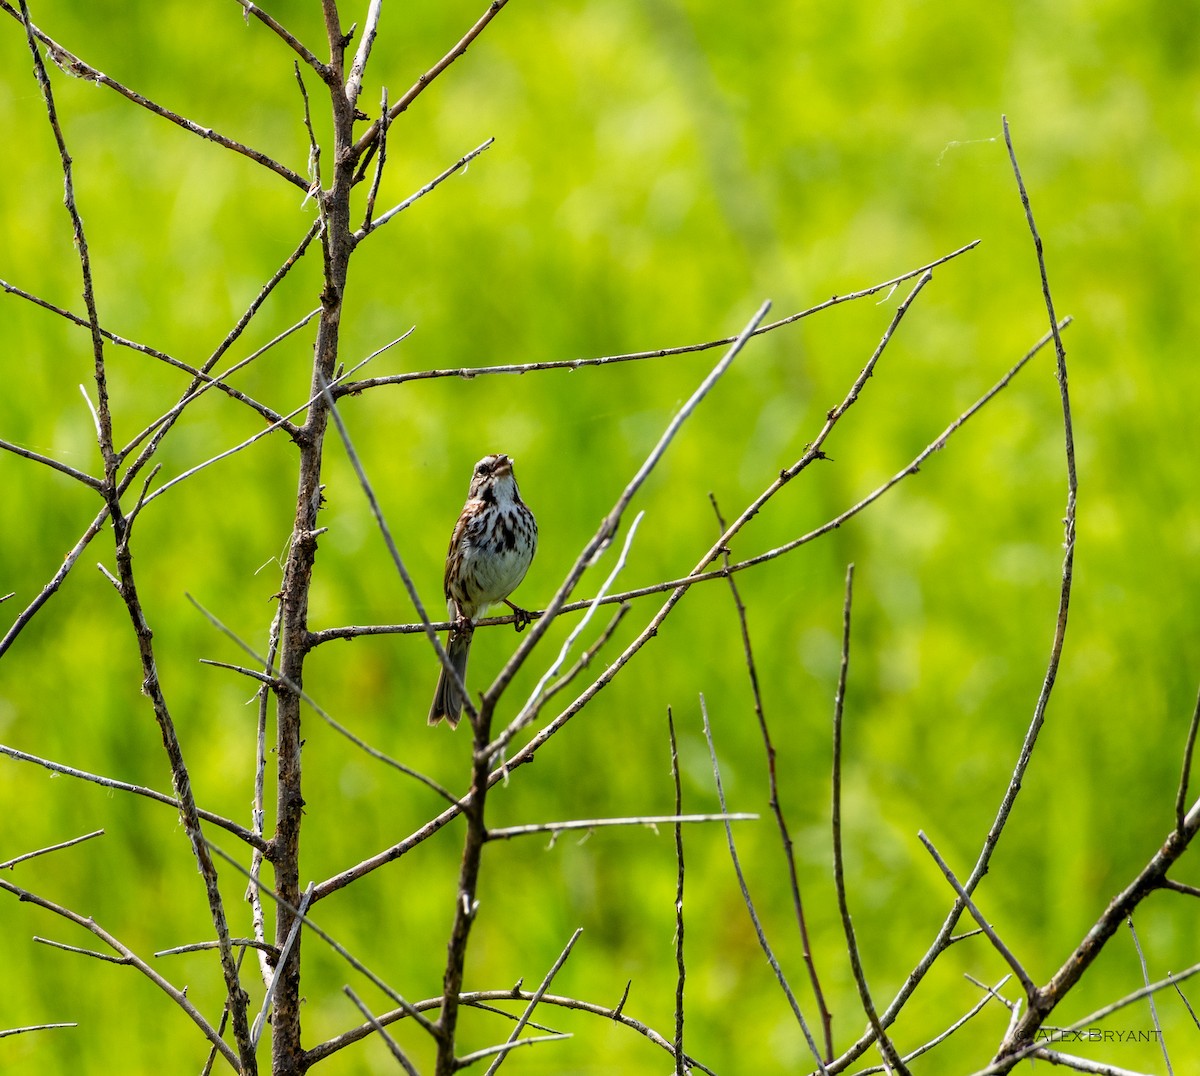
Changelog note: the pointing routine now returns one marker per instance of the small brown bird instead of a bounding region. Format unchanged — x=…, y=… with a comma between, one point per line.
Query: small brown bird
x=490, y=550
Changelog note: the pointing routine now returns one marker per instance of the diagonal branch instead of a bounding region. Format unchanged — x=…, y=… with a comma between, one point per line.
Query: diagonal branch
x=128, y=956
x=74, y=66
x=287, y=37
x=367, y=140
x=470, y=372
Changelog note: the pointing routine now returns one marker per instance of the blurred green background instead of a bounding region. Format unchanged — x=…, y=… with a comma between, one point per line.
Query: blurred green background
x=659, y=169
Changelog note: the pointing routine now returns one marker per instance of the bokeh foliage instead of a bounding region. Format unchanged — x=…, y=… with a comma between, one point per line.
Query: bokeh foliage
x=659, y=169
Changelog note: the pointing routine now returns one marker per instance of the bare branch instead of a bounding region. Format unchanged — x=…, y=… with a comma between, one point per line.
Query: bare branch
x=391, y=1043
x=261, y=1020
x=74, y=66
x=1150, y=997
x=681, y=969
x=611, y=522
x=365, y=42
x=337, y=947
x=505, y=833
x=272, y=677
x=989, y=994
x=482, y=998
x=748, y=901
x=1021, y=974
x=29, y=454
x=700, y=575
x=1189, y=748
x=287, y=37
x=886, y=1047
x=7, y=1032
x=468, y=373
x=238, y=831
x=104, y=416
x=524, y=1018
x=369, y=137
x=773, y=794
x=126, y=955
x=10, y=863
x=437, y=181
x=505, y=1048
x=380, y=161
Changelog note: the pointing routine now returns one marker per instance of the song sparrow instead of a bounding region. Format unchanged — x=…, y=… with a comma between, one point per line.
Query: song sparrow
x=490, y=550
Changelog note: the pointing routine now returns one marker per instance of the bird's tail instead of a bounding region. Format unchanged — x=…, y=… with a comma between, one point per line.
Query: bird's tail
x=447, y=701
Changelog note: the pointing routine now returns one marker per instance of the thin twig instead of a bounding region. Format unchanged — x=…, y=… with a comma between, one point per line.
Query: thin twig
x=369, y=137
x=336, y=946
x=103, y=414
x=538, y=994
x=206, y=946
x=749, y=902
x=536, y=700
x=1150, y=998
x=142, y=349
x=886, y=1047
x=287, y=37
x=7, y=1032
x=505, y=1048
x=380, y=161
x=1009, y=797
x=504, y=833
x=392, y=1045
x=1009, y=957
x=585, y=659
x=28, y=453
x=789, y=854
x=260, y=1021
x=481, y=999
x=129, y=957
x=273, y=677
x=472, y=372
x=437, y=181
x=206, y=382
x=700, y=574
x=255, y=841
x=70, y=63
x=1184, y=777
x=10, y=863
x=681, y=969
x=937, y=1040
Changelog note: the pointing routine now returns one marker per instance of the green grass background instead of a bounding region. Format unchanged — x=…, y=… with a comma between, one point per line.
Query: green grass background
x=659, y=169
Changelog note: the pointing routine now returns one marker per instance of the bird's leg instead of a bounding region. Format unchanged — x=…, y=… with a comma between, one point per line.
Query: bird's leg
x=522, y=617
x=463, y=625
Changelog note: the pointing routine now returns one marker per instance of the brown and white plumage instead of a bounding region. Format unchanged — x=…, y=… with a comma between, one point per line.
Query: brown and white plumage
x=490, y=550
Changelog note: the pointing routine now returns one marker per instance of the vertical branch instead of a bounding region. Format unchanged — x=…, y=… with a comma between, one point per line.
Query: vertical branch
x=1184, y=777
x=885, y=1044
x=1008, y=800
x=103, y=414
x=680, y=1061
x=746, y=898
x=127, y=588
x=773, y=793
x=465, y=905
x=337, y=244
